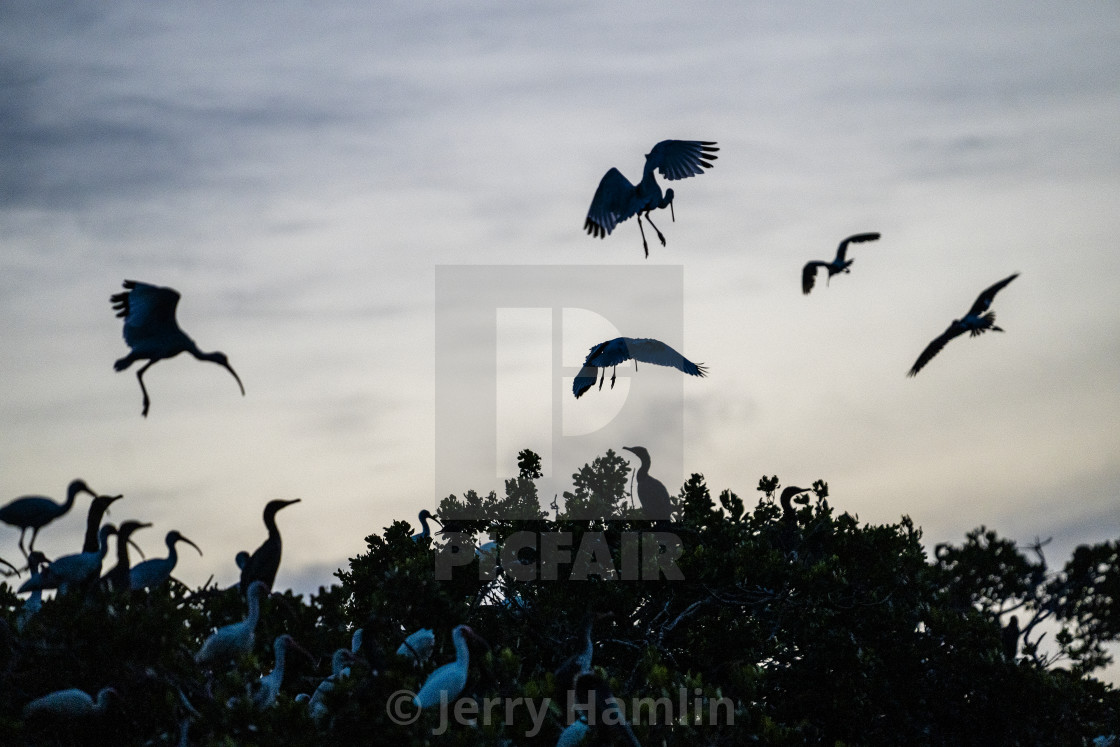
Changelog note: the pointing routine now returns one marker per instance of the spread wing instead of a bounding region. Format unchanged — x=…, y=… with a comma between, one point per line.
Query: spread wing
x=148, y=310
x=935, y=347
x=809, y=274
x=622, y=349
x=858, y=238
x=984, y=300
x=613, y=203
x=678, y=159
x=584, y=380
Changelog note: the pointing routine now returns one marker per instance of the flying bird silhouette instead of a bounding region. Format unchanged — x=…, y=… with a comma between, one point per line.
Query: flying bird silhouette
x=152, y=332
x=621, y=349
x=975, y=322
x=617, y=199
x=837, y=265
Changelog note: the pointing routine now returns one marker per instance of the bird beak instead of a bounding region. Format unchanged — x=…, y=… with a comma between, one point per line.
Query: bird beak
x=229, y=368
x=190, y=543
x=137, y=547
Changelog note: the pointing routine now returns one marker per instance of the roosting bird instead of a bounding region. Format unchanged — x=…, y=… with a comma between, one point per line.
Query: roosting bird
x=418, y=646
x=117, y=579
x=621, y=349
x=72, y=703
x=35, y=512
x=652, y=494
x=152, y=332
x=264, y=691
x=156, y=572
x=837, y=265
x=617, y=199
x=446, y=682
x=263, y=564
x=97, y=511
x=975, y=322
x=232, y=641
x=73, y=569
x=424, y=516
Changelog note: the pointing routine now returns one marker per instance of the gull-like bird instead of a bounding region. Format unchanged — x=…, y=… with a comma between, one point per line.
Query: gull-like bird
x=975, y=322
x=838, y=264
x=152, y=332
x=617, y=199
x=621, y=349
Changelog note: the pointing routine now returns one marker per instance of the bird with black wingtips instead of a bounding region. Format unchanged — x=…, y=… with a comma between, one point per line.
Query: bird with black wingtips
x=263, y=564
x=975, y=322
x=117, y=579
x=153, y=334
x=838, y=264
x=611, y=353
x=616, y=199
x=156, y=572
x=34, y=512
x=657, y=505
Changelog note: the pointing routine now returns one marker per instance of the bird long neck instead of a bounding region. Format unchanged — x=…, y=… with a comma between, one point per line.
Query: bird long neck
x=103, y=542
x=588, y=648
x=462, y=651
x=270, y=524
x=281, y=653
x=93, y=521
x=338, y=661
x=254, y=608
x=172, y=554
x=122, y=550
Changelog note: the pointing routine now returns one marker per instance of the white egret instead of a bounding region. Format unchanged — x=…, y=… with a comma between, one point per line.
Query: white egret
x=233, y=641
x=447, y=682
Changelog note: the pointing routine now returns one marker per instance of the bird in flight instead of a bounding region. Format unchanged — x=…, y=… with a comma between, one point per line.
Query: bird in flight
x=617, y=199
x=153, y=334
x=621, y=349
x=837, y=265
x=975, y=322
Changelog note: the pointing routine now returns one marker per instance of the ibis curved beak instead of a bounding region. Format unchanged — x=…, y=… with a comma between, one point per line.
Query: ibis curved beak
x=229, y=368
x=184, y=539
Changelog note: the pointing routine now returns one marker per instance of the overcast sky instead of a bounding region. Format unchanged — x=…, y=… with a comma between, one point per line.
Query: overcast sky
x=304, y=173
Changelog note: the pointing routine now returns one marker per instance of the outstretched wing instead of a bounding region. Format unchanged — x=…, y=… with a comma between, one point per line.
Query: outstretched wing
x=584, y=380
x=984, y=300
x=148, y=310
x=809, y=274
x=935, y=347
x=678, y=159
x=657, y=352
x=613, y=203
x=858, y=238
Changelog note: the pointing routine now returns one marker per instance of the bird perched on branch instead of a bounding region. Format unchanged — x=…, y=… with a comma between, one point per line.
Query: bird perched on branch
x=152, y=332
x=447, y=682
x=72, y=703
x=263, y=564
x=611, y=353
x=156, y=572
x=975, y=322
x=837, y=265
x=652, y=493
x=617, y=199
x=233, y=641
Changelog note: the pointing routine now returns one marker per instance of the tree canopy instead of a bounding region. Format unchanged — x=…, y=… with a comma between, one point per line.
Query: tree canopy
x=728, y=625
